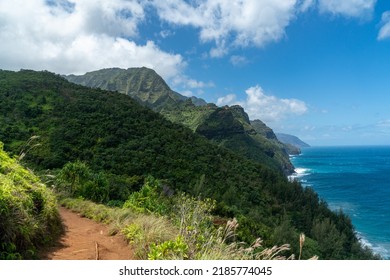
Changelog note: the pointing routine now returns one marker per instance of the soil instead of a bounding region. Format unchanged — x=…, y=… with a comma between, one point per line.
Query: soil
x=85, y=239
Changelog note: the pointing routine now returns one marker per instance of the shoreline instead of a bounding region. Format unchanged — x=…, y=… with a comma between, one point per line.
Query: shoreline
x=302, y=171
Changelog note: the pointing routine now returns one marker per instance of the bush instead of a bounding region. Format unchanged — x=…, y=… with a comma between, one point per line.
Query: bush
x=169, y=250
x=145, y=230
x=28, y=211
x=76, y=179
x=149, y=199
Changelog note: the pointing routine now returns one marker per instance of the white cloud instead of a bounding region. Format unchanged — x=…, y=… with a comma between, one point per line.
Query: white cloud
x=166, y=33
x=102, y=51
x=62, y=37
x=384, y=32
x=220, y=50
x=268, y=108
x=199, y=84
x=75, y=36
x=239, y=23
x=188, y=84
x=349, y=8
x=187, y=93
x=231, y=23
x=238, y=60
x=229, y=99
x=115, y=17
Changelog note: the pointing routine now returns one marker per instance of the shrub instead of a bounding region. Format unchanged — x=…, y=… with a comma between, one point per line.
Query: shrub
x=146, y=230
x=169, y=250
x=76, y=179
x=149, y=199
x=28, y=210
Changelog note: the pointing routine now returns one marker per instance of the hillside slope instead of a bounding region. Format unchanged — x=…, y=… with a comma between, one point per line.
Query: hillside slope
x=142, y=84
x=123, y=142
x=29, y=218
x=217, y=124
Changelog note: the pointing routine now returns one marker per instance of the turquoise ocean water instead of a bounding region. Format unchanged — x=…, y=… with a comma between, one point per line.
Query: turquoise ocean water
x=356, y=180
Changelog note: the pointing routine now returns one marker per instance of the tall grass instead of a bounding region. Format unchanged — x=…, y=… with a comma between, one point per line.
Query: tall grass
x=187, y=233
x=162, y=225
x=28, y=211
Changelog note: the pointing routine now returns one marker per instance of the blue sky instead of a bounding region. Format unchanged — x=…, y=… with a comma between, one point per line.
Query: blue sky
x=318, y=69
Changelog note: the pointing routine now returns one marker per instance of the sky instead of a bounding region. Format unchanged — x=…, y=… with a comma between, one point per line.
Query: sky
x=317, y=69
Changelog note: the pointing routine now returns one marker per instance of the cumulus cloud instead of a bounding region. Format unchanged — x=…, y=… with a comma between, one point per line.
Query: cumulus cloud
x=350, y=8
x=268, y=108
x=229, y=99
x=384, y=32
x=78, y=36
x=231, y=23
x=238, y=23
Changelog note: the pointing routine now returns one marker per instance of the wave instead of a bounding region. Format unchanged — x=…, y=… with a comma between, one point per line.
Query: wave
x=381, y=249
x=299, y=173
x=355, y=181
x=302, y=171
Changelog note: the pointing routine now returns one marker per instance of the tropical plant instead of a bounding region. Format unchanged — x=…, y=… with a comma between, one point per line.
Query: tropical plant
x=28, y=211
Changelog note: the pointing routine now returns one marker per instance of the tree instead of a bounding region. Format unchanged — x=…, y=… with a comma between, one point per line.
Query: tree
x=330, y=240
x=73, y=176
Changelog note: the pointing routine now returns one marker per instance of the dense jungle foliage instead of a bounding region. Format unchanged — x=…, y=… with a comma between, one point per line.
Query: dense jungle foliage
x=103, y=145
x=227, y=126
x=28, y=211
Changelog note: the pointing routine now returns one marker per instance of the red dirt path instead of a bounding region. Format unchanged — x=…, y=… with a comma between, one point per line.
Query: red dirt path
x=85, y=239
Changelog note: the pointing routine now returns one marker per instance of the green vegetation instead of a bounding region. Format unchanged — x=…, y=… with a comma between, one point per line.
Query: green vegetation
x=228, y=127
x=142, y=84
x=76, y=179
x=28, y=211
x=185, y=231
x=102, y=146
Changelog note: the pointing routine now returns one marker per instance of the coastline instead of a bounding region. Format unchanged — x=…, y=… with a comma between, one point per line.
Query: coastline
x=327, y=174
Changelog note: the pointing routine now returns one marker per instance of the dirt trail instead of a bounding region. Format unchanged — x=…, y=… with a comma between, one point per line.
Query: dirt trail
x=85, y=239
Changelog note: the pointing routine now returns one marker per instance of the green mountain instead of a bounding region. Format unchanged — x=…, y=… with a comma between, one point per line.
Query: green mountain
x=292, y=140
x=229, y=127
x=143, y=84
x=123, y=142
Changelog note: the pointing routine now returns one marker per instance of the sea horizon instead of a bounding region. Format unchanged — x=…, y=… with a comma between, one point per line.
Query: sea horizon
x=353, y=179
x=344, y=146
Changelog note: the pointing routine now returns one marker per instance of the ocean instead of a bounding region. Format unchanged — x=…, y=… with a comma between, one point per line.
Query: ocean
x=356, y=180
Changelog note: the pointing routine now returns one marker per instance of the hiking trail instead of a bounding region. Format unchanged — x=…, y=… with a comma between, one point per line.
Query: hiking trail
x=85, y=239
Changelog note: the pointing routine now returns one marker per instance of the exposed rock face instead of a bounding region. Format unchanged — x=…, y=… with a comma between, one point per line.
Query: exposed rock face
x=220, y=124
x=264, y=130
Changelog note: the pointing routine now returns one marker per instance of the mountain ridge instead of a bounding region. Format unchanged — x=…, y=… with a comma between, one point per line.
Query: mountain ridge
x=141, y=83
x=123, y=142
x=292, y=140
x=148, y=88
